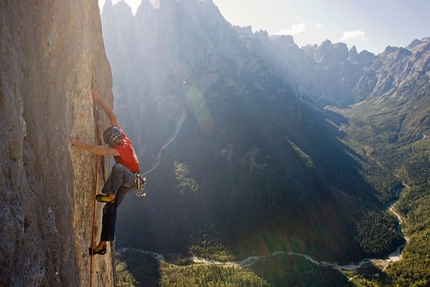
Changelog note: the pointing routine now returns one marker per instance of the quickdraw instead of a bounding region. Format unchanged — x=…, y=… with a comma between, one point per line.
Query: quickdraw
x=140, y=185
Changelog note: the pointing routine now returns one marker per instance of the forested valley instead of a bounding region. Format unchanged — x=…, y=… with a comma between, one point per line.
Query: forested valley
x=253, y=146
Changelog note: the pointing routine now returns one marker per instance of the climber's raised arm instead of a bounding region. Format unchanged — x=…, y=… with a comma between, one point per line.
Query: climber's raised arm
x=109, y=112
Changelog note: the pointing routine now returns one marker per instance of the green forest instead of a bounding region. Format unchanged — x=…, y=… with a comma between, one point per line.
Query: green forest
x=393, y=141
x=139, y=269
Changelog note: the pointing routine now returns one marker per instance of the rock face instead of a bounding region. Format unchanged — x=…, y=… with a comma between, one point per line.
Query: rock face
x=51, y=55
x=396, y=86
x=396, y=71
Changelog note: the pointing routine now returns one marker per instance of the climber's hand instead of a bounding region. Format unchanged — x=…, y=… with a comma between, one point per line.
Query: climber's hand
x=78, y=143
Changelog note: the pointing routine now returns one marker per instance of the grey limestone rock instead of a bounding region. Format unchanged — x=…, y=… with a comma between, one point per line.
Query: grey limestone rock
x=51, y=55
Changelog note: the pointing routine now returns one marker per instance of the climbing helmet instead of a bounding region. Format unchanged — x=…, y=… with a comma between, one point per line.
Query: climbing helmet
x=111, y=134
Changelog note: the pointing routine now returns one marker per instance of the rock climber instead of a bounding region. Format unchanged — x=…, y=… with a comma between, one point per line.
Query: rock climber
x=122, y=177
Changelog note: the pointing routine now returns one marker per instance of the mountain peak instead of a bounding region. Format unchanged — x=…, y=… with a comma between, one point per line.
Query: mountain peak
x=414, y=43
x=284, y=41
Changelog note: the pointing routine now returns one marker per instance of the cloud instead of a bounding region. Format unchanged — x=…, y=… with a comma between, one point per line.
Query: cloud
x=355, y=35
x=318, y=26
x=155, y=4
x=295, y=29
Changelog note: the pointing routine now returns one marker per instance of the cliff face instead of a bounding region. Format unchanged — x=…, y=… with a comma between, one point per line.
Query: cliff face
x=51, y=55
x=396, y=71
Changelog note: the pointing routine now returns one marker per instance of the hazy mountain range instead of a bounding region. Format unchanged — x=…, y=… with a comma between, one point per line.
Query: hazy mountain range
x=264, y=153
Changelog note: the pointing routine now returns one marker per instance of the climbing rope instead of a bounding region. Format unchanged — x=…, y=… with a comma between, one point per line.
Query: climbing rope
x=98, y=142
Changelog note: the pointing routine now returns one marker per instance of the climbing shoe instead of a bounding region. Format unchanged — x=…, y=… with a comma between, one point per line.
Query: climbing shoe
x=104, y=198
x=101, y=251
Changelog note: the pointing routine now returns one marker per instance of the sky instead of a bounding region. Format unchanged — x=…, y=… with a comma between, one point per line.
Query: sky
x=370, y=25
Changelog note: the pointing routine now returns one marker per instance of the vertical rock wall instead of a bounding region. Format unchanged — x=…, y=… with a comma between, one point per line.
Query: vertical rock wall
x=51, y=55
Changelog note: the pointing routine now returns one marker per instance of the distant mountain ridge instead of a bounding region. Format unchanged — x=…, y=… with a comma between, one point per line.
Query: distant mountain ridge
x=396, y=87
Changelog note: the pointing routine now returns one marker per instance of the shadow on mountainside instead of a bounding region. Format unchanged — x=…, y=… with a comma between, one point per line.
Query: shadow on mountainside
x=137, y=269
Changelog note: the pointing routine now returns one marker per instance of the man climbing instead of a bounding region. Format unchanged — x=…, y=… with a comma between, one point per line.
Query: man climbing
x=122, y=177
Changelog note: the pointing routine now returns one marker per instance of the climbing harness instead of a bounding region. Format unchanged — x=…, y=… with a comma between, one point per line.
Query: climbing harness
x=140, y=183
